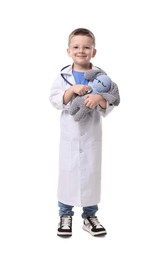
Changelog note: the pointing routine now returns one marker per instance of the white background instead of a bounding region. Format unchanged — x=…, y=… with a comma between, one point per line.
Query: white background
x=132, y=48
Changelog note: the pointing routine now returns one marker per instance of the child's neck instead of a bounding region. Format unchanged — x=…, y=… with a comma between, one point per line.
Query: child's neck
x=82, y=68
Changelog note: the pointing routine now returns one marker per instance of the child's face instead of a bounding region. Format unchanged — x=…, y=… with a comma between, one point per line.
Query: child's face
x=81, y=49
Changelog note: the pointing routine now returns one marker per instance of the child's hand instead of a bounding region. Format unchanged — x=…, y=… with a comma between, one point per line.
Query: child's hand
x=92, y=100
x=80, y=89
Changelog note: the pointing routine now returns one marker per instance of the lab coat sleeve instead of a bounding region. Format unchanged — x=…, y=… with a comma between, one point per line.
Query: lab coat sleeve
x=57, y=92
x=104, y=112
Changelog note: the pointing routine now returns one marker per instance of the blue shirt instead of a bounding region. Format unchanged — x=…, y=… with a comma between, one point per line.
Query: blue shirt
x=79, y=77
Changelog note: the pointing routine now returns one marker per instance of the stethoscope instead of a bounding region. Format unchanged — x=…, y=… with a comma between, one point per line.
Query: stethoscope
x=62, y=75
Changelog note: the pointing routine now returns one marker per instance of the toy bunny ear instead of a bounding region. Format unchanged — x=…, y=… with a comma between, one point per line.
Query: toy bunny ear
x=92, y=74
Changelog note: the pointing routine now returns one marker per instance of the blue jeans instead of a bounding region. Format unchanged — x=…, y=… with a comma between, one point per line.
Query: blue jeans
x=67, y=210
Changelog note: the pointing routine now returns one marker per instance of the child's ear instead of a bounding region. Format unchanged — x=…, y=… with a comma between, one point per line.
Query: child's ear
x=94, y=53
x=69, y=52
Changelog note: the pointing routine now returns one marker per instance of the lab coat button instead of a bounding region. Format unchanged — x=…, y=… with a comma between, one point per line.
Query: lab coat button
x=80, y=150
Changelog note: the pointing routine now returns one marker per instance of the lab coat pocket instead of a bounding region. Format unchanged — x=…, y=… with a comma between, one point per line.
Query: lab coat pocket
x=65, y=156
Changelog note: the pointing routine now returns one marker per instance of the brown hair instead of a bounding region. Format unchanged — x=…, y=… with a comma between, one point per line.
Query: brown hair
x=82, y=31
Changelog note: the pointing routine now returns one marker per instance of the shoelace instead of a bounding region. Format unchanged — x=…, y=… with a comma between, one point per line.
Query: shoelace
x=66, y=221
x=95, y=221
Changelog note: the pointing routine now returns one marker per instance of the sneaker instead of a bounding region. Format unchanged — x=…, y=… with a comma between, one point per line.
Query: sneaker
x=93, y=226
x=65, y=226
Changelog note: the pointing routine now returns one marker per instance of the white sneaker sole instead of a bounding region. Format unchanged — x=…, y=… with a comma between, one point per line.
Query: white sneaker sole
x=99, y=233
x=64, y=234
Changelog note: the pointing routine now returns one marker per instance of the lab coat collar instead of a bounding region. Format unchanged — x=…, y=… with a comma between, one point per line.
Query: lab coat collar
x=68, y=69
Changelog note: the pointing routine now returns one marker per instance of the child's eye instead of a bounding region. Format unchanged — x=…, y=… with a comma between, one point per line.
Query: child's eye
x=76, y=47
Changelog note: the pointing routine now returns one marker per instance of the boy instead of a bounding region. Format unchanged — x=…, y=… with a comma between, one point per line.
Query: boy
x=79, y=182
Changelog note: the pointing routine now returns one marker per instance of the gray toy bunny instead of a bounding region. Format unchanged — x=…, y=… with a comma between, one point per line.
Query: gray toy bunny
x=100, y=84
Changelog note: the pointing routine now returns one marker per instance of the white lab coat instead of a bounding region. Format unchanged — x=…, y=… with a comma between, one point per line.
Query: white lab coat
x=79, y=182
